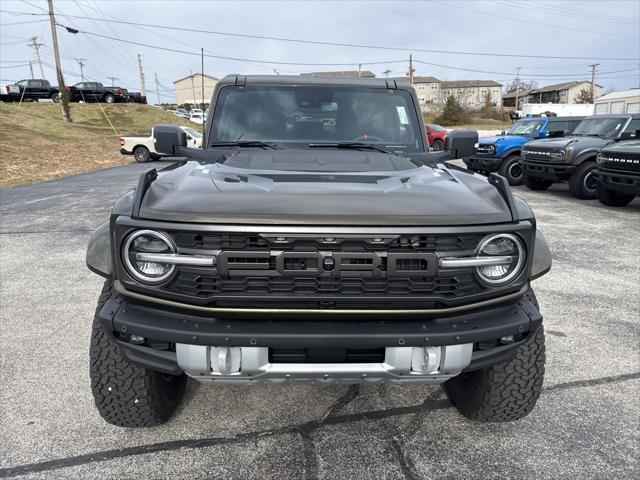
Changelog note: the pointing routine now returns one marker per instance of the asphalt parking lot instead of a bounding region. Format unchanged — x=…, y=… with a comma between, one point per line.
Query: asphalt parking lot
x=586, y=424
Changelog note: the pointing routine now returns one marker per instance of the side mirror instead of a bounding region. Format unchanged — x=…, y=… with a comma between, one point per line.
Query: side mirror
x=461, y=143
x=544, y=135
x=168, y=139
x=627, y=135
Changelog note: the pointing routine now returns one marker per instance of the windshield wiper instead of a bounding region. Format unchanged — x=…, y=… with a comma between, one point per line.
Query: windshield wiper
x=246, y=143
x=351, y=146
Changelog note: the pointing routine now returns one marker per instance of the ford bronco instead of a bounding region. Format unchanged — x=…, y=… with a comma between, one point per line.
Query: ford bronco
x=502, y=153
x=572, y=159
x=315, y=237
x=618, y=173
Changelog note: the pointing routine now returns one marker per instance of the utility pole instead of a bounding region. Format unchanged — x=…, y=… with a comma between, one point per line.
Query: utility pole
x=411, y=69
x=157, y=88
x=113, y=80
x=82, y=64
x=202, y=76
x=517, y=86
x=359, y=70
x=31, y=70
x=64, y=98
x=593, y=79
x=143, y=89
x=193, y=90
x=36, y=46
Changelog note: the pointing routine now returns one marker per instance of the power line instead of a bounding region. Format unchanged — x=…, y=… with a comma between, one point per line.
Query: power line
x=531, y=22
x=337, y=44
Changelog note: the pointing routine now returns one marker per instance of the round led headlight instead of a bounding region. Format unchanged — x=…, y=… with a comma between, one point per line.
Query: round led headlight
x=147, y=241
x=512, y=259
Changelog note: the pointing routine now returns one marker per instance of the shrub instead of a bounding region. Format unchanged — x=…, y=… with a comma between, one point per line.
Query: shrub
x=453, y=113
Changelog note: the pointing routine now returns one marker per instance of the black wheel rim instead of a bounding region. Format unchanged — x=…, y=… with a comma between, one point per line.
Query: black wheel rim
x=590, y=182
x=516, y=171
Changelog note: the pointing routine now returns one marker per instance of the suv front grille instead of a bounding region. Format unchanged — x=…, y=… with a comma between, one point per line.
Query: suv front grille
x=620, y=161
x=538, y=154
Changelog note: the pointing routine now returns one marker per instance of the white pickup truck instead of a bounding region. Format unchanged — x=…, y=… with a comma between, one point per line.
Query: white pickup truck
x=143, y=149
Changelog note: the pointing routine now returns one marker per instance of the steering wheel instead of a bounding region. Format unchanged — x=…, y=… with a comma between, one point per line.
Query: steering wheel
x=368, y=137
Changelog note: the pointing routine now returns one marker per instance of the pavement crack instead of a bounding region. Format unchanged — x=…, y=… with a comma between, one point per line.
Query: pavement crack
x=301, y=429
x=310, y=455
x=406, y=465
x=344, y=400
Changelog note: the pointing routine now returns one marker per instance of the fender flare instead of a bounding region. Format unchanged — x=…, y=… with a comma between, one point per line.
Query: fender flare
x=542, y=258
x=99, y=251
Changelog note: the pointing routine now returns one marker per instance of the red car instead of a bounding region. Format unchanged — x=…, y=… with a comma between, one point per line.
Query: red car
x=436, y=135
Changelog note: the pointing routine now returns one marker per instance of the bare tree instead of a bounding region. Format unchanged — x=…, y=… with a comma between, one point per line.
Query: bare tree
x=584, y=96
x=519, y=84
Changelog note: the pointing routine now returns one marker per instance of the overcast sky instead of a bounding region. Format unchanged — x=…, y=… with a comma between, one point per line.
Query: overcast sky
x=604, y=31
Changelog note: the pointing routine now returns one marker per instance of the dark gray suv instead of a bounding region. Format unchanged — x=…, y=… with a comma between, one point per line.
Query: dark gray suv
x=572, y=159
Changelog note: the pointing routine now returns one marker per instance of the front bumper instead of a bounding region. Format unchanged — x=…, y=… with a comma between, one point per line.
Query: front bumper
x=547, y=171
x=192, y=335
x=490, y=164
x=618, y=182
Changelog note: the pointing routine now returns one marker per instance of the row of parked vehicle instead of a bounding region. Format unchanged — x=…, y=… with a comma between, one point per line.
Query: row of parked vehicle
x=39, y=89
x=196, y=115
x=598, y=156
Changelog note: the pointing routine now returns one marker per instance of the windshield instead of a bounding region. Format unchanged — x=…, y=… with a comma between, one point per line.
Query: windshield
x=436, y=128
x=600, y=127
x=296, y=116
x=529, y=128
x=192, y=132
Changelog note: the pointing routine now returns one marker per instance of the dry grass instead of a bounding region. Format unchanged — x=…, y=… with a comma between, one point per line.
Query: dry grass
x=36, y=144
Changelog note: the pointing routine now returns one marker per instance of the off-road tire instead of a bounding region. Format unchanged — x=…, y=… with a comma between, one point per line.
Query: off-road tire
x=580, y=180
x=438, y=145
x=505, y=391
x=109, y=98
x=141, y=154
x=612, y=198
x=127, y=395
x=512, y=170
x=533, y=183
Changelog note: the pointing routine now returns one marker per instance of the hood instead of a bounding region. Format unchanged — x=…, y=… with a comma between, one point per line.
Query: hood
x=500, y=138
x=558, y=143
x=401, y=194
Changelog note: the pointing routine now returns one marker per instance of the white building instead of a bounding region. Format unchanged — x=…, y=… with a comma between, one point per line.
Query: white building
x=626, y=101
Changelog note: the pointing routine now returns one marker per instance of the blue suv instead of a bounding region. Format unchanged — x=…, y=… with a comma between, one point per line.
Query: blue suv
x=502, y=153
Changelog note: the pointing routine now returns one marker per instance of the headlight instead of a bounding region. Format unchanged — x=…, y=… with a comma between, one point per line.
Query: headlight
x=148, y=242
x=558, y=154
x=512, y=259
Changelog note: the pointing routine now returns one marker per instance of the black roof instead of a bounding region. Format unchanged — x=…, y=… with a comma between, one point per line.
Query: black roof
x=309, y=80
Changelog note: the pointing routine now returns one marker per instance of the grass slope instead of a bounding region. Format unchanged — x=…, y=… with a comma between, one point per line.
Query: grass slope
x=36, y=144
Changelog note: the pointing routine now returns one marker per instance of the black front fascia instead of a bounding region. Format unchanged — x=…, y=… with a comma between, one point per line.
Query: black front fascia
x=126, y=317
x=359, y=286
x=626, y=182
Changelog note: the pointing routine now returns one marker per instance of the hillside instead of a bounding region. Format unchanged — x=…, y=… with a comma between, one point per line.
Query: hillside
x=37, y=144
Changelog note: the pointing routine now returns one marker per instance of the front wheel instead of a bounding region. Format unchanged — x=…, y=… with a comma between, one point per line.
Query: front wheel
x=582, y=182
x=108, y=98
x=512, y=170
x=55, y=97
x=534, y=183
x=142, y=154
x=503, y=392
x=127, y=395
x=611, y=198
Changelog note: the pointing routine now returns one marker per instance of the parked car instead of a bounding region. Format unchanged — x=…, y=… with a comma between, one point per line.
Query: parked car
x=436, y=135
x=29, y=91
x=502, y=153
x=96, y=92
x=196, y=111
x=143, y=148
x=618, y=173
x=181, y=112
x=299, y=251
x=136, y=97
x=573, y=159
x=196, y=118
